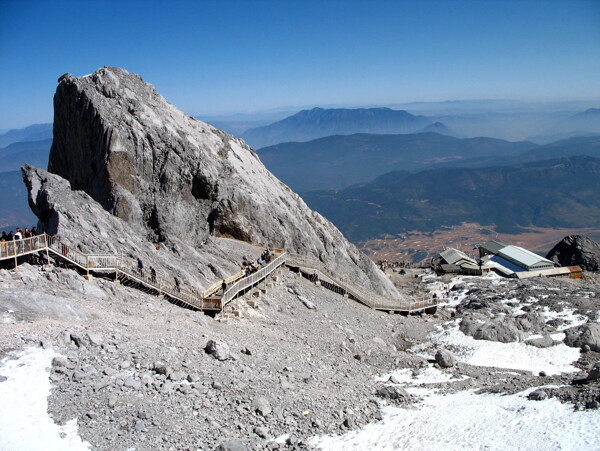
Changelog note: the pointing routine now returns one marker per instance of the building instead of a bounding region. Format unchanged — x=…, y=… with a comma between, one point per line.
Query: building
x=514, y=261
x=453, y=261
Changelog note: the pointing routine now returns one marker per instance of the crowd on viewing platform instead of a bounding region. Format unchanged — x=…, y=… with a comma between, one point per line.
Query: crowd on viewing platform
x=13, y=242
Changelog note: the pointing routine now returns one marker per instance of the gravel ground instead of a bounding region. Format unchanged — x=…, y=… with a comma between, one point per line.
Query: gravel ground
x=301, y=361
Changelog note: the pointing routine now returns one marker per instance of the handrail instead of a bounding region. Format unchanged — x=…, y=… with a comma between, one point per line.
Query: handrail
x=252, y=279
x=201, y=300
x=370, y=299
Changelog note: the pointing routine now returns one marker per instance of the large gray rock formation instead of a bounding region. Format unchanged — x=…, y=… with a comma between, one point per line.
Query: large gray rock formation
x=577, y=250
x=175, y=179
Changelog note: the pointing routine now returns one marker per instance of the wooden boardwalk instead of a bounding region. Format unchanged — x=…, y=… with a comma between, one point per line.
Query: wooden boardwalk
x=209, y=300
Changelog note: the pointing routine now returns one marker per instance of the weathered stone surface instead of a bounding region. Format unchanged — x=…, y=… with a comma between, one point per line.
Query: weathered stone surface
x=502, y=329
x=444, y=358
x=261, y=405
x=543, y=342
x=308, y=304
x=586, y=335
x=218, y=350
x=594, y=373
x=170, y=176
x=577, y=250
x=394, y=393
x=537, y=395
x=232, y=445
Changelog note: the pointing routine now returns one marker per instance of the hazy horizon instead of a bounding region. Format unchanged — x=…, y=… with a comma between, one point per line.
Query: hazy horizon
x=223, y=57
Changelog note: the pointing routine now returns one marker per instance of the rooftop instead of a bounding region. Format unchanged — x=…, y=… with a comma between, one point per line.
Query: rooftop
x=518, y=254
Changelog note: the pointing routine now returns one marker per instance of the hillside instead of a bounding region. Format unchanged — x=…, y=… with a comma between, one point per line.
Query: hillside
x=318, y=122
x=586, y=145
x=336, y=162
x=554, y=193
x=584, y=123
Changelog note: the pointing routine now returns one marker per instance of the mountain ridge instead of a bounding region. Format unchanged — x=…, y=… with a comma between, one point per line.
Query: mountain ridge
x=319, y=122
x=551, y=193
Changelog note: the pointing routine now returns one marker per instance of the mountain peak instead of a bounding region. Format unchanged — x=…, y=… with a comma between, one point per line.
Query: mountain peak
x=316, y=123
x=178, y=179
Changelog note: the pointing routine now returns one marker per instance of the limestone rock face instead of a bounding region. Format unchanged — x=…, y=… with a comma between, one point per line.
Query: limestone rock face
x=577, y=250
x=173, y=177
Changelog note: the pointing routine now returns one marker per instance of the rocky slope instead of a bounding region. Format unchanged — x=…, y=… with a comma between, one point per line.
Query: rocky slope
x=577, y=250
x=175, y=179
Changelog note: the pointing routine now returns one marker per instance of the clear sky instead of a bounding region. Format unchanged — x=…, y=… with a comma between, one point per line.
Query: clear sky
x=216, y=57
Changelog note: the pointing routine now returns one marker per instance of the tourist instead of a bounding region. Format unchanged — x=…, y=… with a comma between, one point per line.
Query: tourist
x=223, y=286
x=140, y=267
x=152, y=274
x=19, y=237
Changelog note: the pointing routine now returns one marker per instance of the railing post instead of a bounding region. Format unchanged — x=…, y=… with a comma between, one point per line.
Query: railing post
x=15, y=251
x=46, y=246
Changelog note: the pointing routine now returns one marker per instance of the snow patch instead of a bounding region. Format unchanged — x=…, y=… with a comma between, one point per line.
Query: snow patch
x=516, y=356
x=465, y=420
x=24, y=420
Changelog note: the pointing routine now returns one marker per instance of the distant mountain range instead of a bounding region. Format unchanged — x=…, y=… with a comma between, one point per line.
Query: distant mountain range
x=35, y=132
x=336, y=162
x=551, y=193
x=14, y=209
x=318, y=122
x=27, y=145
x=35, y=153
x=541, y=127
x=585, y=123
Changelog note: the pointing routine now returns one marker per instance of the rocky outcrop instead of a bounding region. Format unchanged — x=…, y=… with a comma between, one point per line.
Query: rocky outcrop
x=576, y=250
x=585, y=336
x=176, y=179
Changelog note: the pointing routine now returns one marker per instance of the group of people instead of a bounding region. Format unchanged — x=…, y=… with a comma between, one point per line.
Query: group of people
x=13, y=240
x=18, y=235
x=251, y=267
x=247, y=269
x=384, y=264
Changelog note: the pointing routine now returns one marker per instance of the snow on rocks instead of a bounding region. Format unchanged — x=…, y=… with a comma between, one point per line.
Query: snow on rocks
x=24, y=421
x=518, y=356
x=466, y=420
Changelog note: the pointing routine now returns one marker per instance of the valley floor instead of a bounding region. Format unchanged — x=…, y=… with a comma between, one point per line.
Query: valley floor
x=418, y=246
x=129, y=370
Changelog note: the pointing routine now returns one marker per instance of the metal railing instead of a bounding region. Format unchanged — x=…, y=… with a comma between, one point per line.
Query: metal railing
x=252, y=279
x=237, y=283
x=341, y=284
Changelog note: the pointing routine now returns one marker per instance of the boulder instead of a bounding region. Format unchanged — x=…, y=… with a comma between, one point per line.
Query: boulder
x=444, y=358
x=308, y=304
x=538, y=395
x=594, y=373
x=218, y=350
x=587, y=335
x=232, y=445
x=502, y=329
x=543, y=342
x=576, y=250
x=394, y=393
x=261, y=405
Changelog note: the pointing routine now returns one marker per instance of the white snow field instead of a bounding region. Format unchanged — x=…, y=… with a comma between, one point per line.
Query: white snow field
x=24, y=420
x=517, y=356
x=466, y=421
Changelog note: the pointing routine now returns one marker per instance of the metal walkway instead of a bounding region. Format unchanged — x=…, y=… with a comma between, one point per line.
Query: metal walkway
x=126, y=271
x=341, y=284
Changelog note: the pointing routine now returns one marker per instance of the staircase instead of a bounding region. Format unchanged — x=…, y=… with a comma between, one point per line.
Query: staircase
x=126, y=272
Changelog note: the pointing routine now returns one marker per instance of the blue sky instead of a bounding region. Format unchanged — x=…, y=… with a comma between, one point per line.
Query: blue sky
x=217, y=57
